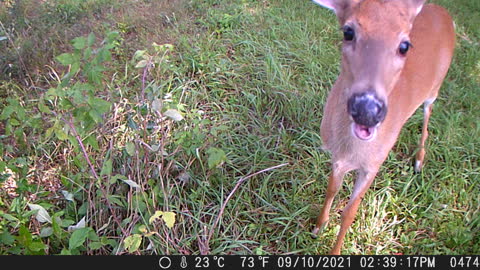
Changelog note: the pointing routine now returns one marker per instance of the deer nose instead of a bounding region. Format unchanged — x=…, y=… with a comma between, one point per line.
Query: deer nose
x=367, y=109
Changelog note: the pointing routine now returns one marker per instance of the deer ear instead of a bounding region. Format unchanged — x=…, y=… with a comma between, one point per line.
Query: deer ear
x=339, y=6
x=330, y=4
x=417, y=5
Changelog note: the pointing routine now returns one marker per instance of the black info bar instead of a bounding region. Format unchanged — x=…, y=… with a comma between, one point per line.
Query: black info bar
x=234, y=262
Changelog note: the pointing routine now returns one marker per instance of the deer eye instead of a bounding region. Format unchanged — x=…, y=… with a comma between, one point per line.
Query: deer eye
x=404, y=47
x=348, y=33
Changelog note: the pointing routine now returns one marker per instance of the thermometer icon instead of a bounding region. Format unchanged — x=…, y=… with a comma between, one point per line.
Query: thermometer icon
x=183, y=263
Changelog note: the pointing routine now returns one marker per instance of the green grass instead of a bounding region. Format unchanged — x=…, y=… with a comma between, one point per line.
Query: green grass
x=250, y=79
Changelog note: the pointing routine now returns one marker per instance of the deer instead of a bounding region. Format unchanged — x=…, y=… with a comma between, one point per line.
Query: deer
x=395, y=57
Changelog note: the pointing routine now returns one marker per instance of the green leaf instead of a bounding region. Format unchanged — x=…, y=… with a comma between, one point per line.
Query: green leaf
x=103, y=55
x=94, y=73
x=131, y=123
x=92, y=236
x=92, y=141
x=130, y=148
x=20, y=112
x=99, y=107
x=117, y=200
x=99, y=104
x=37, y=246
x=66, y=104
x=42, y=106
x=91, y=39
x=79, y=43
x=61, y=135
x=132, y=242
x=7, y=111
x=87, y=53
x=216, y=157
x=6, y=238
x=14, y=122
x=112, y=36
x=66, y=59
x=95, y=245
x=96, y=116
x=163, y=47
x=107, y=168
x=46, y=232
x=142, y=228
x=78, y=237
x=75, y=67
x=49, y=132
x=106, y=241
x=116, y=177
x=24, y=236
x=54, y=92
x=65, y=252
x=56, y=223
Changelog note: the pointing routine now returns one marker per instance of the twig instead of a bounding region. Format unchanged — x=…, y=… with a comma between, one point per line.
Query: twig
x=80, y=142
x=239, y=182
x=144, y=78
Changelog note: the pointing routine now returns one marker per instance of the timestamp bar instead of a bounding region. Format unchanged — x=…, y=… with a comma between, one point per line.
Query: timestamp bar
x=325, y=262
x=250, y=262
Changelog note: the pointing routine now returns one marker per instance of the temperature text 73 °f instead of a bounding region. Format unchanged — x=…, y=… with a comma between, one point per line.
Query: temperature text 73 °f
x=252, y=261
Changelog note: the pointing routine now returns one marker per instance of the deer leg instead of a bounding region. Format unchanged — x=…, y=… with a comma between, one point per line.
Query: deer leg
x=334, y=184
x=427, y=111
x=364, y=180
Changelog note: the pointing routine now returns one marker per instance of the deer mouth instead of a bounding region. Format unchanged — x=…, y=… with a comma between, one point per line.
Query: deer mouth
x=364, y=133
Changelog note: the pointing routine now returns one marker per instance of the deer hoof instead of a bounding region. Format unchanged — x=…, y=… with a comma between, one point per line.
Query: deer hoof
x=418, y=166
